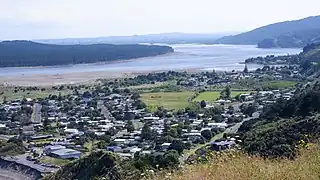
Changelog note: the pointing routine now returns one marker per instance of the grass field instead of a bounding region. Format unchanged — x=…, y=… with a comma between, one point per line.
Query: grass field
x=214, y=95
x=170, y=100
x=240, y=166
x=11, y=95
x=279, y=84
x=55, y=161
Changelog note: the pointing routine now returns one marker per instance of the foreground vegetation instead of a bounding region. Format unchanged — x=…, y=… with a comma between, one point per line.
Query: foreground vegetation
x=237, y=165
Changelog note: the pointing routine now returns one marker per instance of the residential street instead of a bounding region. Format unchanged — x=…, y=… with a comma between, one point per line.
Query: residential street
x=37, y=113
x=104, y=110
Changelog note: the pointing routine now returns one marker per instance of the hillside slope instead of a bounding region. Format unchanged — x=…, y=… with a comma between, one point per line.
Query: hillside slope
x=283, y=34
x=98, y=165
x=28, y=53
x=166, y=38
x=237, y=165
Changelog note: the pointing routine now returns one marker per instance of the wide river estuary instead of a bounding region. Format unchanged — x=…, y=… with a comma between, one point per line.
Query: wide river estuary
x=186, y=56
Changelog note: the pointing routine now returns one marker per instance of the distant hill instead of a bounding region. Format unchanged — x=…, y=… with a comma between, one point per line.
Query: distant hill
x=286, y=34
x=28, y=53
x=165, y=38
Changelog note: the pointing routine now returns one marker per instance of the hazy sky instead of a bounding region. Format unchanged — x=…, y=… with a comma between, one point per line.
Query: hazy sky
x=34, y=19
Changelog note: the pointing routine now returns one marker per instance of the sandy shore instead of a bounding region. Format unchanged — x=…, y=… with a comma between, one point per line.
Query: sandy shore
x=69, y=78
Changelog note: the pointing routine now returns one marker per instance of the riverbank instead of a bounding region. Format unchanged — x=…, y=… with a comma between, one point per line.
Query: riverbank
x=70, y=78
x=189, y=58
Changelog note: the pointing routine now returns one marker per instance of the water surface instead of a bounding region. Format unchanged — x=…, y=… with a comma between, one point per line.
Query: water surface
x=186, y=56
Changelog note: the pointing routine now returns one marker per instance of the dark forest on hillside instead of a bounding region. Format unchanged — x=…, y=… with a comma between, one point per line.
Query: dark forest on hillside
x=27, y=53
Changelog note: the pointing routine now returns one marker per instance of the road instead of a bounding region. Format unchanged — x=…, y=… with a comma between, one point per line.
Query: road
x=232, y=129
x=104, y=110
x=37, y=113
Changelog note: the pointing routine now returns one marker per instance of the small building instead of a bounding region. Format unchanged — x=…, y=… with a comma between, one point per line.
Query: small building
x=71, y=131
x=222, y=145
x=151, y=118
x=114, y=148
x=66, y=154
x=120, y=141
x=28, y=130
x=217, y=125
x=165, y=146
x=38, y=137
x=49, y=149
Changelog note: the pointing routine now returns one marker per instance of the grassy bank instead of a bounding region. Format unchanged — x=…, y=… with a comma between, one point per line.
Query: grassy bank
x=236, y=165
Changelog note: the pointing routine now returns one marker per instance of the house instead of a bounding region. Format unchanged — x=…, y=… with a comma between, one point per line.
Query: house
x=114, y=148
x=125, y=155
x=151, y=118
x=222, y=145
x=28, y=130
x=51, y=148
x=3, y=126
x=120, y=141
x=71, y=131
x=165, y=146
x=217, y=125
x=41, y=137
x=135, y=149
x=66, y=154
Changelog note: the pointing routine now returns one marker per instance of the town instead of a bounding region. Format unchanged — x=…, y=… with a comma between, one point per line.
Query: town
x=149, y=114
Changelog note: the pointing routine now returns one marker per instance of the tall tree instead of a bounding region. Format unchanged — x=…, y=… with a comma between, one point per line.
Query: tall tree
x=203, y=104
x=228, y=92
x=246, y=69
x=146, y=132
x=130, y=126
x=177, y=145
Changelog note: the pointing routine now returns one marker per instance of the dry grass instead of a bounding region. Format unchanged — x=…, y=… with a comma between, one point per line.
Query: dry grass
x=238, y=166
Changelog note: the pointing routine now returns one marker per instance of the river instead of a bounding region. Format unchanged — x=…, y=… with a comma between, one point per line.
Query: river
x=186, y=56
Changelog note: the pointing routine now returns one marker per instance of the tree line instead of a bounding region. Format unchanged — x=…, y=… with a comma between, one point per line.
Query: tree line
x=28, y=53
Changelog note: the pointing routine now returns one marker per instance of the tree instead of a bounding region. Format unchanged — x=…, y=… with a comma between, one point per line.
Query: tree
x=135, y=96
x=86, y=94
x=206, y=134
x=203, y=104
x=5, y=99
x=193, y=109
x=171, y=158
x=173, y=132
x=177, y=145
x=245, y=69
x=139, y=104
x=146, y=132
x=130, y=126
x=228, y=92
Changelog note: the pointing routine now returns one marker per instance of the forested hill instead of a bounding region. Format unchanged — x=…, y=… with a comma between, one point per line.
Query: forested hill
x=28, y=53
x=285, y=125
x=286, y=34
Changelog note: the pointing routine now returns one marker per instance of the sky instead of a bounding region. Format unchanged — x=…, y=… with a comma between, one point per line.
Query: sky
x=48, y=19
